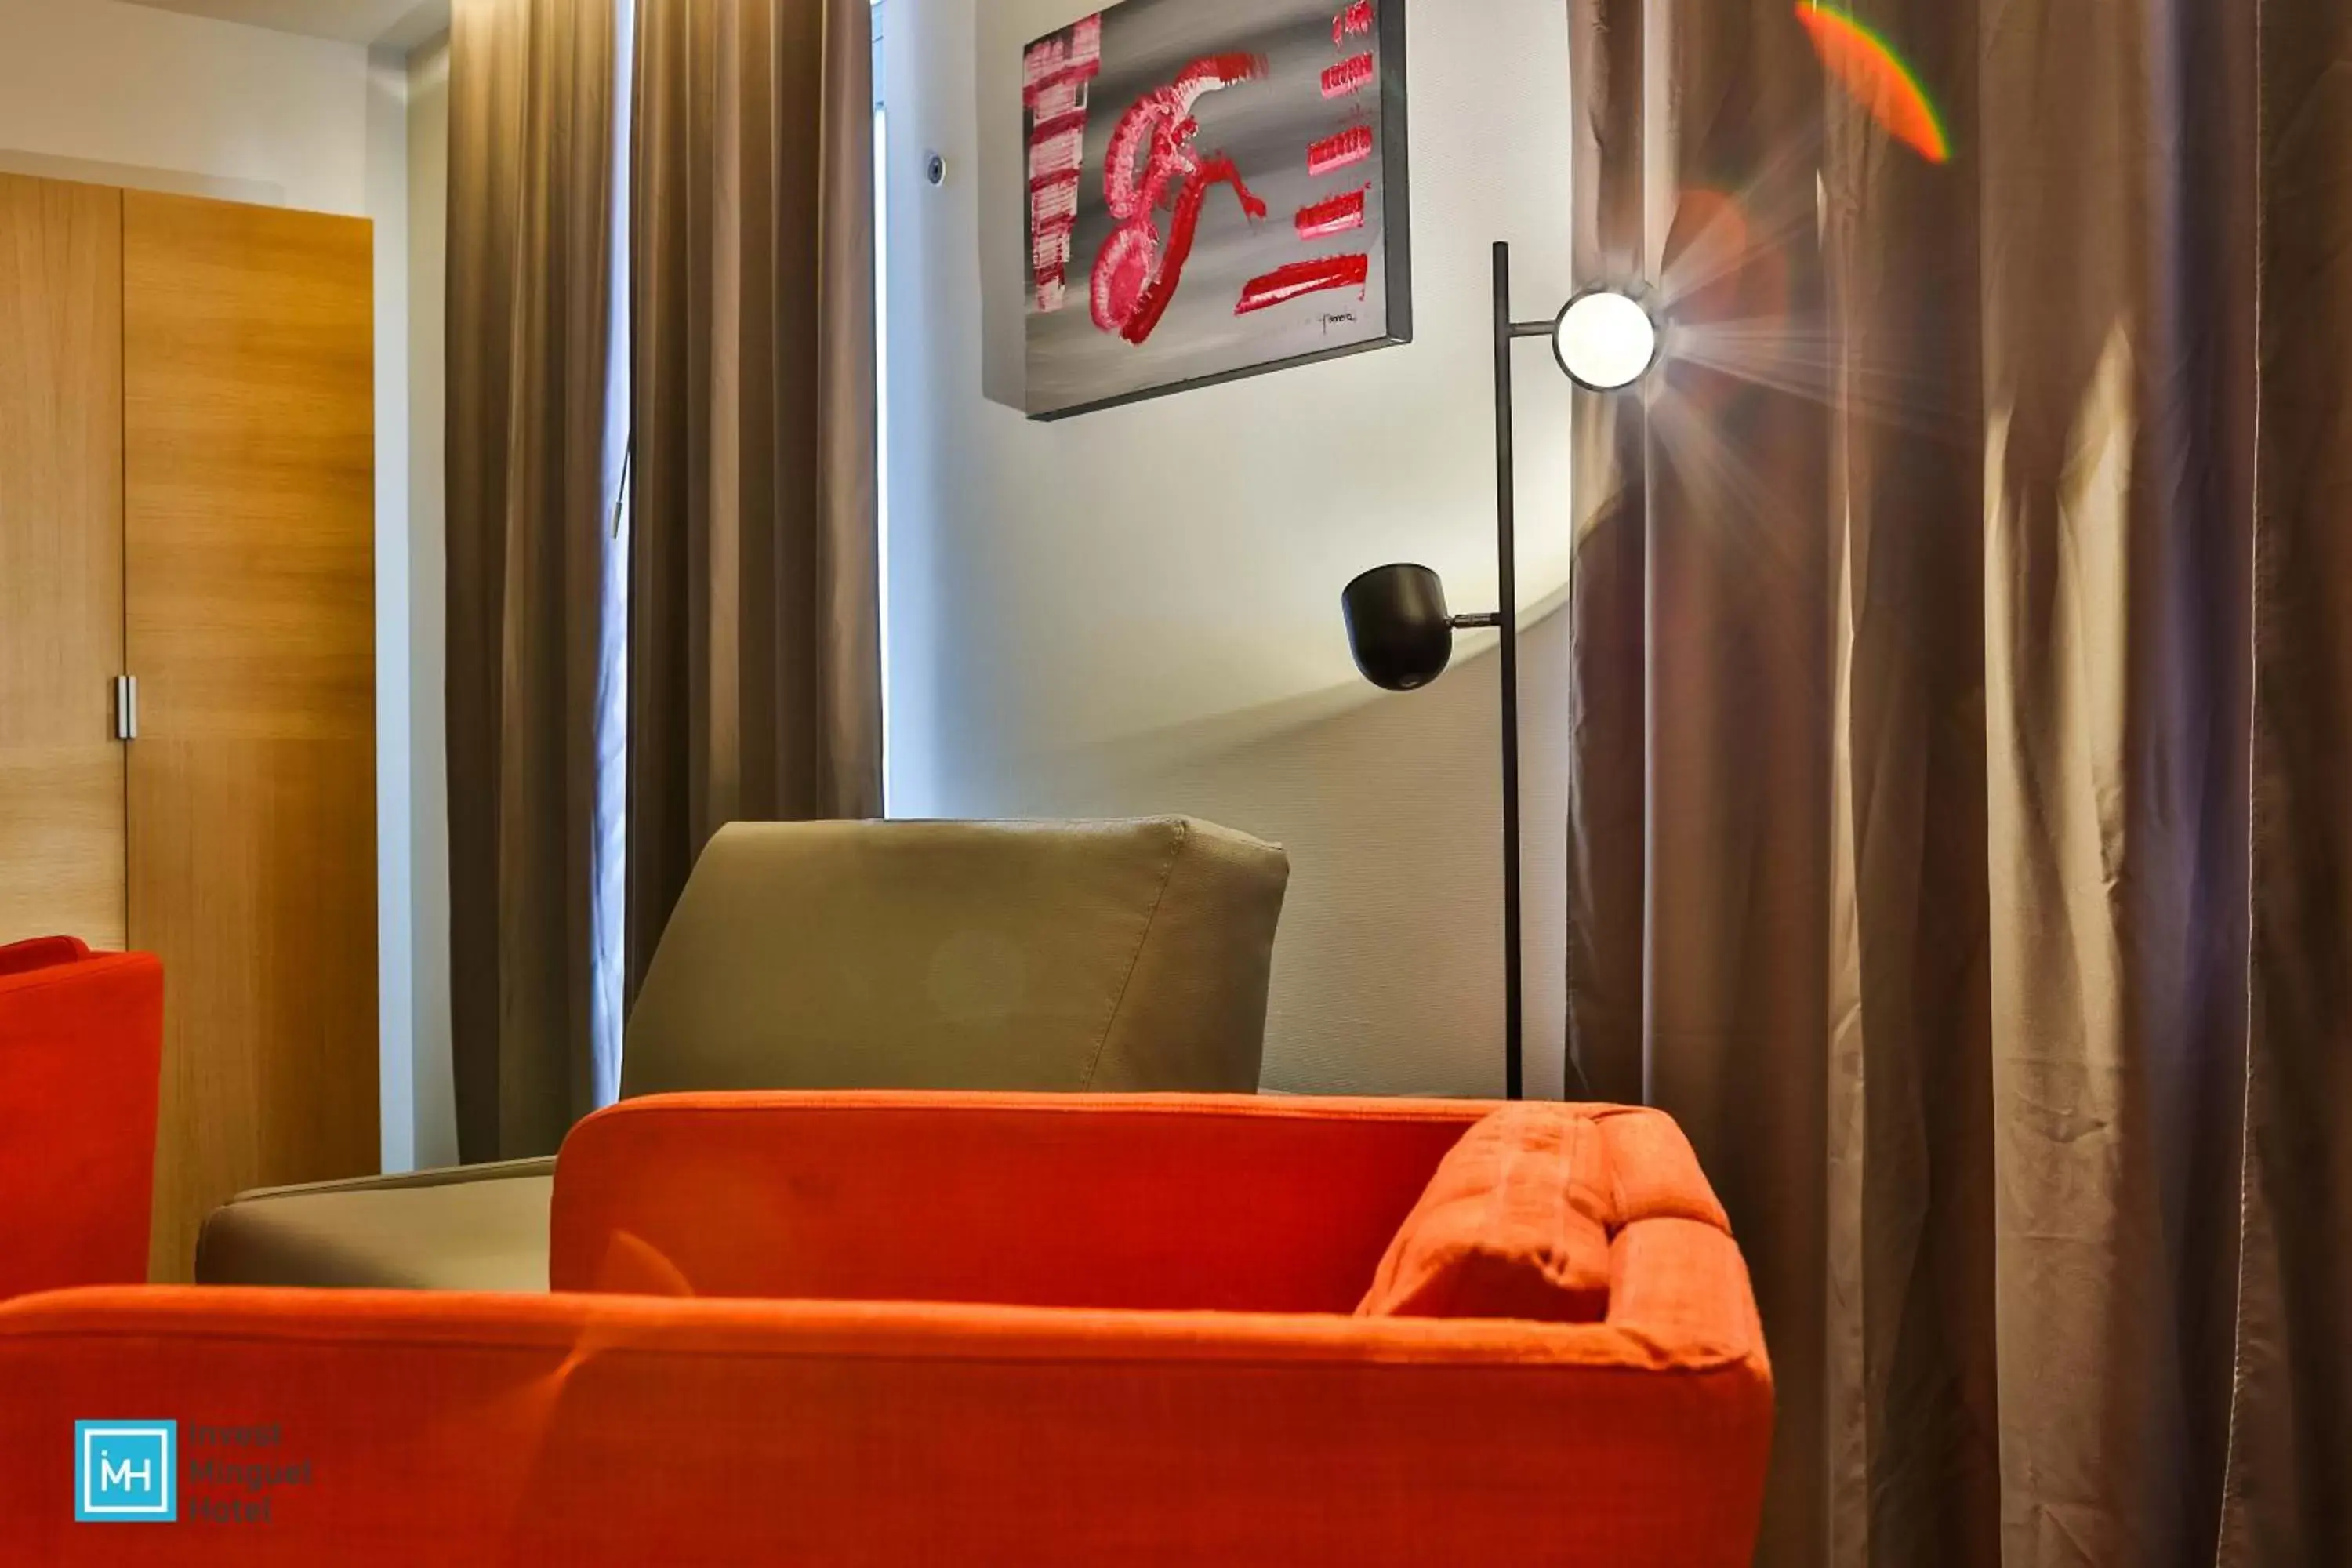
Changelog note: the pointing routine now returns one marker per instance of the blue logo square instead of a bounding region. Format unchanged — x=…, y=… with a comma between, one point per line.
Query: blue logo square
x=123, y=1473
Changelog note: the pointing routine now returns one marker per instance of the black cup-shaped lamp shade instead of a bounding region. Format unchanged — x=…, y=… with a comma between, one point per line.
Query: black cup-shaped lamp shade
x=1399, y=627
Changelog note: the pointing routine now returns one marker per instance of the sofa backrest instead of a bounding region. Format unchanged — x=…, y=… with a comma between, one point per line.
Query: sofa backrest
x=1058, y=956
x=1145, y=1201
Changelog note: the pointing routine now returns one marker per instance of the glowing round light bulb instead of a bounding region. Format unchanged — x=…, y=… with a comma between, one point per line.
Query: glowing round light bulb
x=1605, y=339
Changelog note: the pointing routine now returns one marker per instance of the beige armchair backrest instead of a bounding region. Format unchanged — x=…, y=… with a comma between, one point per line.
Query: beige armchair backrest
x=1103, y=956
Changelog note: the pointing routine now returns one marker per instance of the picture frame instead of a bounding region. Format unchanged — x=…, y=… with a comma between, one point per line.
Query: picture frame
x=1215, y=189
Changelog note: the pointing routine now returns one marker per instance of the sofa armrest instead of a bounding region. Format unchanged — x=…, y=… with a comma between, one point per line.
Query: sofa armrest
x=36, y=953
x=81, y=1041
x=403, y=1428
x=1207, y=1203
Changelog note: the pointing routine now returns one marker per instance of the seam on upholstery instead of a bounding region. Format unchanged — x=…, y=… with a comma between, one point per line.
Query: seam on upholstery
x=1617, y=1203
x=76, y=950
x=539, y=1167
x=25, y=982
x=1472, y=1111
x=1713, y=1365
x=1183, y=838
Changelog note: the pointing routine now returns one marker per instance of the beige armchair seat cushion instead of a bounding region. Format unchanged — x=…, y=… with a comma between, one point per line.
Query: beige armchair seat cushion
x=482, y=1228
x=1053, y=956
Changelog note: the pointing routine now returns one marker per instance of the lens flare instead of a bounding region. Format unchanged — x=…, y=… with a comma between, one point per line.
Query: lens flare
x=1880, y=81
x=1605, y=341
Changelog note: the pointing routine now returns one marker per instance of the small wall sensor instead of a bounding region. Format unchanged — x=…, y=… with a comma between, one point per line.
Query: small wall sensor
x=935, y=168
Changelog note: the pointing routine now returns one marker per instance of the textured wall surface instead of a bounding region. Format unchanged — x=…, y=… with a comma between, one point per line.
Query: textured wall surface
x=1137, y=611
x=138, y=97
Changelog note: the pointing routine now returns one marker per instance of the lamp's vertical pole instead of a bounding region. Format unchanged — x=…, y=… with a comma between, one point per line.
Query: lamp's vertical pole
x=1508, y=598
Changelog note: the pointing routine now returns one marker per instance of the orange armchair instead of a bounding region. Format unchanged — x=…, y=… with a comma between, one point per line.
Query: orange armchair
x=1028, y=1329
x=81, y=1042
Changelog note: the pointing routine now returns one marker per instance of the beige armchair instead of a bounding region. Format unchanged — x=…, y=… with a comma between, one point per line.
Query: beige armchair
x=1056, y=956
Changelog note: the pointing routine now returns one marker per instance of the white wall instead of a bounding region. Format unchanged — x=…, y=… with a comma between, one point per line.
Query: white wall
x=1056, y=655
x=125, y=95
x=239, y=112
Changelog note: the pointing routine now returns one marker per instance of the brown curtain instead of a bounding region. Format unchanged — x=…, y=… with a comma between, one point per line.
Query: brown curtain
x=754, y=676
x=2287, y=1500
x=1963, y=819
x=531, y=177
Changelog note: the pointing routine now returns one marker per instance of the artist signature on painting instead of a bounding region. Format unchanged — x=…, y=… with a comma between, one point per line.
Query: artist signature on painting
x=1337, y=319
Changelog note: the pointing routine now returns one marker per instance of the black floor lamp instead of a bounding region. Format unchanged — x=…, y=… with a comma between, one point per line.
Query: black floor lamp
x=1398, y=624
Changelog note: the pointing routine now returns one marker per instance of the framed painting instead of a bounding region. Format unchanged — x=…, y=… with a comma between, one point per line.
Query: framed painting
x=1215, y=188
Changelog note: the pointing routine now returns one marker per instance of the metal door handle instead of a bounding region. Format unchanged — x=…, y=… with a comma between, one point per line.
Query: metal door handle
x=126, y=707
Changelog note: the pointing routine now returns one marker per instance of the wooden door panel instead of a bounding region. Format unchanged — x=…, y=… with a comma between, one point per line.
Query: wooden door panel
x=270, y=1069
x=62, y=780
x=250, y=540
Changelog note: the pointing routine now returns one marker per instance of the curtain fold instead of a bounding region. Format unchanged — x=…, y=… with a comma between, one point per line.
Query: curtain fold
x=1978, y=799
x=754, y=680
x=2286, y=1500
x=529, y=477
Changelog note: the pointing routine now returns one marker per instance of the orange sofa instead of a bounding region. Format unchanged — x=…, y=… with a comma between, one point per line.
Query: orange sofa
x=906, y=1329
x=81, y=1044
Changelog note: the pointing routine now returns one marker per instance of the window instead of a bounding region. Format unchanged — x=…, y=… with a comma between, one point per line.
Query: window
x=882, y=162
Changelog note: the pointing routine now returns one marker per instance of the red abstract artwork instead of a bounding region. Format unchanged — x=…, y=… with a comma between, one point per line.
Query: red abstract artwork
x=1336, y=153
x=1056, y=72
x=1341, y=215
x=1351, y=75
x=1302, y=277
x=1294, y=105
x=1152, y=161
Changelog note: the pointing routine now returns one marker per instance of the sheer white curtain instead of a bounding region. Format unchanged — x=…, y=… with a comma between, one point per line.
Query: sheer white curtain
x=610, y=854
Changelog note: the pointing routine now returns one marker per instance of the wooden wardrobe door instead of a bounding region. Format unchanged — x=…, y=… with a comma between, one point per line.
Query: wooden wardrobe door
x=60, y=561
x=249, y=505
